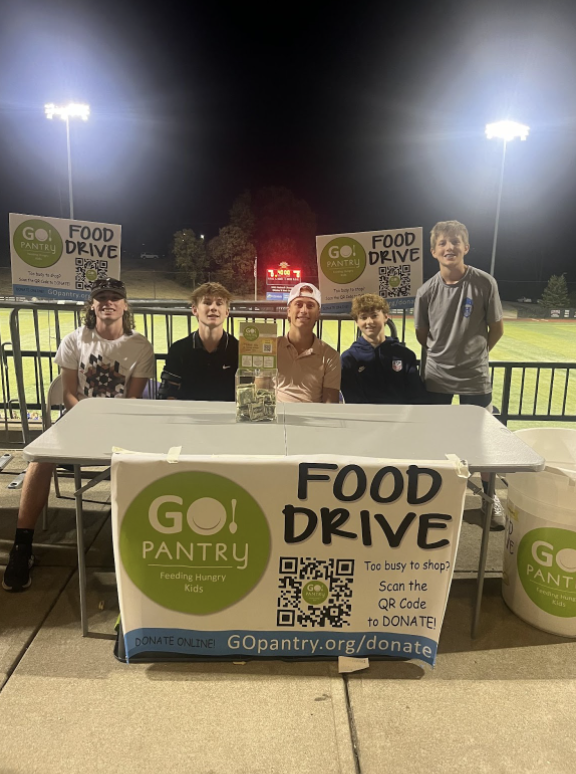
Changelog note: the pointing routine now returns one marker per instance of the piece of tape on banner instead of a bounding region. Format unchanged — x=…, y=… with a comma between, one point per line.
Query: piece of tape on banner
x=173, y=454
x=460, y=465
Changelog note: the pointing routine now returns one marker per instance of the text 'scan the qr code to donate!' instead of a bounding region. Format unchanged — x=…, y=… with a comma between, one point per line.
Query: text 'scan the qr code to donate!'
x=332, y=556
x=386, y=263
x=58, y=259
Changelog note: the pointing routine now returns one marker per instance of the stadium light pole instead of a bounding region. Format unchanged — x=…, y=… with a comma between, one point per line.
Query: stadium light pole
x=72, y=110
x=505, y=131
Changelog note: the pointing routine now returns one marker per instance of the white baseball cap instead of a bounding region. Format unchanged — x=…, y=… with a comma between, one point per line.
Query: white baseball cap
x=305, y=290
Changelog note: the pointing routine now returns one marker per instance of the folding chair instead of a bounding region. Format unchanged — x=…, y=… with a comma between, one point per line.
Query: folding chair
x=55, y=399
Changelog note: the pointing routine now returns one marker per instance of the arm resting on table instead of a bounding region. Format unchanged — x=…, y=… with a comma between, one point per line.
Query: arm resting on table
x=330, y=395
x=136, y=387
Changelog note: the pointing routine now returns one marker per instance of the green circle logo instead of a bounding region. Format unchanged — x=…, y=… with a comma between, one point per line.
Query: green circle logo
x=547, y=569
x=37, y=243
x=394, y=281
x=91, y=275
x=194, y=542
x=315, y=592
x=251, y=333
x=343, y=260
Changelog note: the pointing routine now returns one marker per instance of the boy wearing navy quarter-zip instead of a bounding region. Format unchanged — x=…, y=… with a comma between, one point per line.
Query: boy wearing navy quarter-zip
x=378, y=368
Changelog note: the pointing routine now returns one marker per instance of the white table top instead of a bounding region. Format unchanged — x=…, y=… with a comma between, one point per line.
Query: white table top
x=86, y=435
x=409, y=432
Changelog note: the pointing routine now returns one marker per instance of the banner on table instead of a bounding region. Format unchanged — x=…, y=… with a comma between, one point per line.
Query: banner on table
x=318, y=556
x=387, y=263
x=55, y=258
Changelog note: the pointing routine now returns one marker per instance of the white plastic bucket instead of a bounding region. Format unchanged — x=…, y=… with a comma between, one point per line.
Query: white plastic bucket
x=539, y=578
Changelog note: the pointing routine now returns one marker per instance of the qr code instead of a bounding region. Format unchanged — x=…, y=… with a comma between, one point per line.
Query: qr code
x=394, y=281
x=314, y=592
x=266, y=347
x=87, y=271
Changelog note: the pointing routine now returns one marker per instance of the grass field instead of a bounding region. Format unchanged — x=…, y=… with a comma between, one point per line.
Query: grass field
x=523, y=341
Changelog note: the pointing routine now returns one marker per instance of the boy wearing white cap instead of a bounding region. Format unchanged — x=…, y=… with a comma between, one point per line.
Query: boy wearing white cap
x=308, y=368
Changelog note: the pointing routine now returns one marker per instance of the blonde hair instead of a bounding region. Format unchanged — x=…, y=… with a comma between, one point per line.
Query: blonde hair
x=451, y=228
x=369, y=302
x=212, y=290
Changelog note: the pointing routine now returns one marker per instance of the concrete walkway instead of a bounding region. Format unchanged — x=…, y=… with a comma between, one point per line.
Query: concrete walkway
x=505, y=702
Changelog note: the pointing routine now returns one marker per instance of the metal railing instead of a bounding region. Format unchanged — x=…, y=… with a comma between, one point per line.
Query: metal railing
x=537, y=392
x=521, y=391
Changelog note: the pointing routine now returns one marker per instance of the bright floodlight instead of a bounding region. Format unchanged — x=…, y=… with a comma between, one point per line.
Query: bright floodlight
x=507, y=130
x=72, y=110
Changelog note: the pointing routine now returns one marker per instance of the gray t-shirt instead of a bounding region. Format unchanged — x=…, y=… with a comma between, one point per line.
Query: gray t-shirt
x=458, y=317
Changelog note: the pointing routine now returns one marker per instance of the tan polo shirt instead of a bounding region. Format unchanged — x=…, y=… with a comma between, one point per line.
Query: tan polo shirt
x=301, y=378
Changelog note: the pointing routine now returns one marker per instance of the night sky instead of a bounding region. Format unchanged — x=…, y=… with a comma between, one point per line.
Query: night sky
x=374, y=113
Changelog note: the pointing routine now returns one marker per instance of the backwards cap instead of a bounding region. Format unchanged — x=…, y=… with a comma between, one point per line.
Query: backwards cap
x=305, y=290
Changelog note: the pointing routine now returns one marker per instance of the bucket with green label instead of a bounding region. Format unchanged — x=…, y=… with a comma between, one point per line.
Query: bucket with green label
x=539, y=577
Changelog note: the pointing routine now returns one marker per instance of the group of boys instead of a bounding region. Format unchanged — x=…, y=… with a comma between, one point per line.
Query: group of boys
x=458, y=319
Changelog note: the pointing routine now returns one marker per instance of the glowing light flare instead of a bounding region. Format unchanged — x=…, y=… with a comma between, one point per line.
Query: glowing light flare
x=507, y=130
x=72, y=110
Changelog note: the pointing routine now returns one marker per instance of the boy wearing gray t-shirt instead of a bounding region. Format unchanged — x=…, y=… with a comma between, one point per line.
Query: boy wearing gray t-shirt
x=458, y=320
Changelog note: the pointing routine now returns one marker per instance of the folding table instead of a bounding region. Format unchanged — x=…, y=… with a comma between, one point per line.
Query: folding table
x=86, y=437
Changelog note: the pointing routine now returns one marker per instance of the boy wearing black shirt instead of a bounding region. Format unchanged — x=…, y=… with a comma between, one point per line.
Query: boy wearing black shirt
x=203, y=365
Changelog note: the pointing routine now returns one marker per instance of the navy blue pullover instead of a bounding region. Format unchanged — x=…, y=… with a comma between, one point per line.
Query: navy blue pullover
x=383, y=374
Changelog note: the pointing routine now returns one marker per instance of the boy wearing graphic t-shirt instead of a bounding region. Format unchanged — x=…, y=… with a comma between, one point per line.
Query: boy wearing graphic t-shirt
x=103, y=359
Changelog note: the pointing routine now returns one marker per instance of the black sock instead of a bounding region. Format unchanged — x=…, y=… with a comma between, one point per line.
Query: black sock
x=24, y=537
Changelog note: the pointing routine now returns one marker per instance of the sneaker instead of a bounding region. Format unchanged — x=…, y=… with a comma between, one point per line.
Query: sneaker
x=498, y=520
x=17, y=573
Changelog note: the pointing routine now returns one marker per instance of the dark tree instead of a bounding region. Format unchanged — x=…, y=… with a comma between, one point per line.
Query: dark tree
x=556, y=293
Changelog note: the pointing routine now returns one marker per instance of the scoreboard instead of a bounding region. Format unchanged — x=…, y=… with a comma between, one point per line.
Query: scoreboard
x=280, y=280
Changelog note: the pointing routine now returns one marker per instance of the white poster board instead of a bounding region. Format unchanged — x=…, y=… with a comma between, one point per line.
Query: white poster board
x=387, y=263
x=319, y=556
x=55, y=258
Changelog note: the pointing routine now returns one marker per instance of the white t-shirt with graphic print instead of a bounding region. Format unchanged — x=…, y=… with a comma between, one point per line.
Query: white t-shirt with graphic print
x=103, y=366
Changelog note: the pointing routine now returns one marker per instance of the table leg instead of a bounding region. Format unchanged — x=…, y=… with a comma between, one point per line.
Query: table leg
x=80, y=542
x=483, y=552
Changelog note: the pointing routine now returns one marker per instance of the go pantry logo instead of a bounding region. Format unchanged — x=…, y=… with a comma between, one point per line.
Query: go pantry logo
x=38, y=243
x=343, y=260
x=547, y=569
x=195, y=542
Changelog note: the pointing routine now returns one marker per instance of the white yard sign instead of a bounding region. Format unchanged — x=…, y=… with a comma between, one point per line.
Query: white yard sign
x=319, y=556
x=54, y=258
x=387, y=263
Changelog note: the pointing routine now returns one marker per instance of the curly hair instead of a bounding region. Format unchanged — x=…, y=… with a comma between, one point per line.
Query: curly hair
x=369, y=302
x=89, y=318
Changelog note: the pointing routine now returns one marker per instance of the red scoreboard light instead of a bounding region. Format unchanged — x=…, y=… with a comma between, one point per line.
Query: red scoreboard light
x=283, y=275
